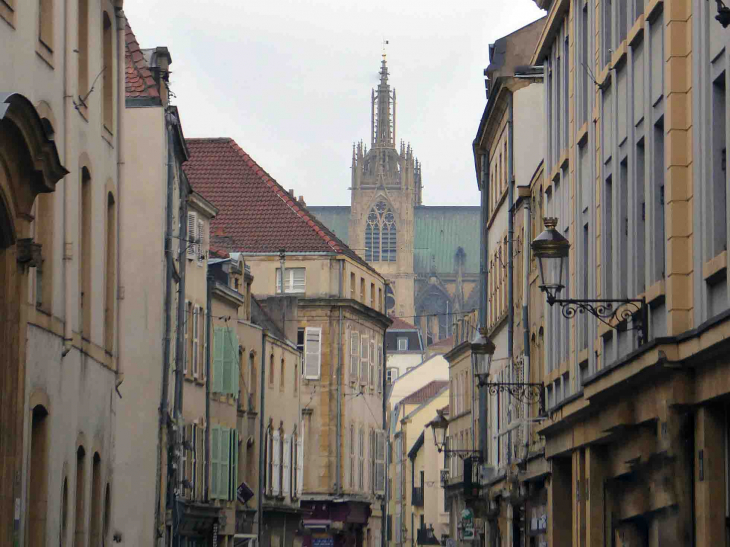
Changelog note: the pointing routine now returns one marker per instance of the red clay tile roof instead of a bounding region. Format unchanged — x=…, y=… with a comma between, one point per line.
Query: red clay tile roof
x=399, y=324
x=445, y=343
x=253, y=208
x=425, y=393
x=138, y=78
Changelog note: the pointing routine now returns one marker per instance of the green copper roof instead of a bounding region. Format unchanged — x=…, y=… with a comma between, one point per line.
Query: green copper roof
x=440, y=231
x=336, y=218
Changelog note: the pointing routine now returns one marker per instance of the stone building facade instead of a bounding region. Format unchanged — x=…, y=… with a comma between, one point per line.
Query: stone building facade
x=631, y=447
x=60, y=153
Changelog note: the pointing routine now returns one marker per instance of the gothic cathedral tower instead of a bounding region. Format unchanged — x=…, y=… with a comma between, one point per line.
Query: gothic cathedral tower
x=386, y=188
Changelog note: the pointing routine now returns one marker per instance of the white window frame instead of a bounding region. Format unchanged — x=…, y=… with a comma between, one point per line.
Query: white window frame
x=292, y=285
x=402, y=343
x=308, y=374
x=191, y=243
x=354, y=356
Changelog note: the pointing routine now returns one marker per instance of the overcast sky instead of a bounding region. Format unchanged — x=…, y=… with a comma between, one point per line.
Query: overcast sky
x=290, y=80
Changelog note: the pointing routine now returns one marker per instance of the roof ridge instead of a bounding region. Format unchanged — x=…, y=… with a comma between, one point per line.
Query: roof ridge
x=300, y=210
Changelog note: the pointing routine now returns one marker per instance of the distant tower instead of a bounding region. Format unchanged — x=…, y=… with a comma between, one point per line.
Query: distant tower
x=386, y=188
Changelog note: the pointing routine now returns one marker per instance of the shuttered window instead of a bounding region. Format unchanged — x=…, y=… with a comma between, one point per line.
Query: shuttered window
x=300, y=467
x=354, y=355
x=199, y=462
x=225, y=361
x=361, y=460
x=196, y=312
x=351, y=459
x=199, y=245
x=286, y=467
x=192, y=228
x=188, y=322
x=312, y=352
x=225, y=466
x=373, y=357
x=215, y=450
x=379, y=478
x=380, y=368
x=233, y=464
x=276, y=464
x=295, y=280
x=364, y=360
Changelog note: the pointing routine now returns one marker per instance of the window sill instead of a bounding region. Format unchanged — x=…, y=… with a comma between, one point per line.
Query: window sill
x=582, y=137
x=652, y=10
x=7, y=13
x=619, y=56
x=636, y=34
x=715, y=269
x=44, y=52
x=655, y=293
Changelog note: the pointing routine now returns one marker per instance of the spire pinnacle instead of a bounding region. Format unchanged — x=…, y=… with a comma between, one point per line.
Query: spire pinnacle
x=383, y=109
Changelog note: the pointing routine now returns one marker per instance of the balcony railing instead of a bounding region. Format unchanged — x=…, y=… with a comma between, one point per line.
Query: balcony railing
x=417, y=496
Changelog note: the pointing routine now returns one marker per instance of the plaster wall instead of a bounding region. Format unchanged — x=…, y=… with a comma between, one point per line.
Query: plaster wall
x=142, y=310
x=435, y=368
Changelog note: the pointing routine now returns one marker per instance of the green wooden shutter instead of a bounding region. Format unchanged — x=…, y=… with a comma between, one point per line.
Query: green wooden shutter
x=225, y=440
x=235, y=364
x=227, y=380
x=218, y=356
x=215, y=461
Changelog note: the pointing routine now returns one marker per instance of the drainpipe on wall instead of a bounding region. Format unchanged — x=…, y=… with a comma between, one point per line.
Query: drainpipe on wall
x=526, y=317
x=167, y=347
x=338, y=436
x=386, y=442
x=121, y=99
x=510, y=244
x=262, y=440
x=178, y=423
x=208, y=345
x=484, y=262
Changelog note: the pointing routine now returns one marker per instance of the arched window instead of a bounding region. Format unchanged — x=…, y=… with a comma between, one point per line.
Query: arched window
x=79, y=516
x=38, y=483
x=95, y=525
x=380, y=234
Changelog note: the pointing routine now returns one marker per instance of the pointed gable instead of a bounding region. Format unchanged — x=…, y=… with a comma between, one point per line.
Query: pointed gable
x=254, y=210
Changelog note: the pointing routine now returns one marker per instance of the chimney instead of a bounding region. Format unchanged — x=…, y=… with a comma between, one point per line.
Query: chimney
x=291, y=192
x=301, y=200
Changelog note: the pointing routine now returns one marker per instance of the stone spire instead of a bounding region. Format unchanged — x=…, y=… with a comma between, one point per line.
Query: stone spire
x=383, y=118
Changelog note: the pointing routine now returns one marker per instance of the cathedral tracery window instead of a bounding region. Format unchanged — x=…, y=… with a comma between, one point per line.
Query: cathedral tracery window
x=380, y=234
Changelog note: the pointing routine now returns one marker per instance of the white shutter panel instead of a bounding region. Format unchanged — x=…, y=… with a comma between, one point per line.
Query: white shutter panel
x=371, y=376
x=276, y=468
x=298, y=280
x=278, y=281
x=300, y=466
x=361, y=456
x=196, y=311
x=192, y=225
x=380, y=462
x=354, y=355
x=312, y=352
x=364, y=358
x=380, y=368
x=285, y=473
x=203, y=362
x=199, y=239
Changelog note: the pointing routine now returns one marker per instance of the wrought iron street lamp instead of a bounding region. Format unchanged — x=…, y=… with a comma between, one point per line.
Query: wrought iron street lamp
x=551, y=250
x=723, y=13
x=482, y=350
x=439, y=425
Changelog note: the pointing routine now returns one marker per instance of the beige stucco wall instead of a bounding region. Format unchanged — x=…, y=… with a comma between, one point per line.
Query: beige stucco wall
x=435, y=368
x=76, y=387
x=142, y=311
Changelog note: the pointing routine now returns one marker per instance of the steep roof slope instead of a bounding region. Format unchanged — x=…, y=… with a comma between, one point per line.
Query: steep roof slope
x=425, y=393
x=138, y=79
x=255, y=210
